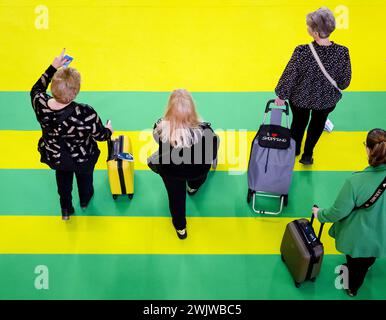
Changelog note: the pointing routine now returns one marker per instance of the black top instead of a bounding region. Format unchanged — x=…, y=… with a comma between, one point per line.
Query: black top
x=76, y=134
x=305, y=85
x=188, y=163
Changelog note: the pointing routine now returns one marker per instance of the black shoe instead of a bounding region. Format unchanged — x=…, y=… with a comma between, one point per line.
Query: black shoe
x=306, y=160
x=351, y=293
x=341, y=270
x=297, y=153
x=84, y=205
x=191, y=191
x=66, y=213
x=182, y=234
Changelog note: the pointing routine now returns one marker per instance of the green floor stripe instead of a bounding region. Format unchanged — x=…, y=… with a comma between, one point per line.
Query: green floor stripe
x=357, y=111
x=33, y=192
x=173, y=277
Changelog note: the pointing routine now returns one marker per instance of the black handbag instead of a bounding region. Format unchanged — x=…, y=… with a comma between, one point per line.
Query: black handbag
x=153, y=162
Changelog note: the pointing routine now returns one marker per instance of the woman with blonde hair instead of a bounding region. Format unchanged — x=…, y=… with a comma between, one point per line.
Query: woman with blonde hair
x=359, y=213
x=187, y=148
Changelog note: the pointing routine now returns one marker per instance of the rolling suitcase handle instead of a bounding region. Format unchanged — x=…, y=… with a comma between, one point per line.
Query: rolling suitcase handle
x=110, y=146
x=321, y=225
x=110, y=150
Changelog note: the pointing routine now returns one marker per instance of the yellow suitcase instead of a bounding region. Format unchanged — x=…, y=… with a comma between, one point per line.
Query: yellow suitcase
x=120, y=167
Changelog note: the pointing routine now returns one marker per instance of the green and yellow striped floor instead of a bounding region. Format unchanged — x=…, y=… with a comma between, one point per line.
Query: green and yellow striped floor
x=131, y=54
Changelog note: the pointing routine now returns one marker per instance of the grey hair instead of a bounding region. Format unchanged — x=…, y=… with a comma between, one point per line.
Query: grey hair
x=321, y=21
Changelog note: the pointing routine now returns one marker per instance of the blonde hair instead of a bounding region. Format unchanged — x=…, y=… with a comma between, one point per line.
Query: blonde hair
x=376, y=142
x=65, y=85
x=321, y=21
x=180, y=125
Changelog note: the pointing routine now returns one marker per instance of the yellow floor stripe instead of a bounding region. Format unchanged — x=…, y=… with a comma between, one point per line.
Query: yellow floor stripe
x=201, y=45
x=337, y=151
x=134, y=235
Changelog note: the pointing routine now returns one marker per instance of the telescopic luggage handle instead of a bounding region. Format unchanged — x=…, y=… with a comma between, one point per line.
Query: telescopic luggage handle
x=268, y=108
x=321, y=225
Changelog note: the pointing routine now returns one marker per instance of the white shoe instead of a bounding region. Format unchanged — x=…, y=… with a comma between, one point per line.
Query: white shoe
x=182, y=234
x=191, y=191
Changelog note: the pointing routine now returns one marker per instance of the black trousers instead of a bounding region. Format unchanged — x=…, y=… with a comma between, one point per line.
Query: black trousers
x=357, y=270
x=84, y=178
x=176, y=189
x=64, y=180
x=300, y=119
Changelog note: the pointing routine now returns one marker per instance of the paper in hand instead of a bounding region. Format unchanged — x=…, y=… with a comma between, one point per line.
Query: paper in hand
x=69, y=60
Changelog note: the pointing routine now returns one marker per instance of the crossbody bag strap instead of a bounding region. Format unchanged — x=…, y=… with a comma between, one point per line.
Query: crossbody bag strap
x=321, y=66
x=375, y=196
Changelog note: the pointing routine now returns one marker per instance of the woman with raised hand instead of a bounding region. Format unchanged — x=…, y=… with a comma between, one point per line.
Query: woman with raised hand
x=311, y=91
x=359, y=214
x=69, y=133
x=187, y=148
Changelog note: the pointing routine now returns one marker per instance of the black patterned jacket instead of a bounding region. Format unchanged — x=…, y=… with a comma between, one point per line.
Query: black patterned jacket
x=74, y=136
x=305, y=85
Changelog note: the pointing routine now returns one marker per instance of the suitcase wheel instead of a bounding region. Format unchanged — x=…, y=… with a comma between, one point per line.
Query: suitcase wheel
x=249, y=196
x=313, y=279
x=297, y=284
x=285, y=199
x=115, y=197
x=130, y=196
x=282, y=258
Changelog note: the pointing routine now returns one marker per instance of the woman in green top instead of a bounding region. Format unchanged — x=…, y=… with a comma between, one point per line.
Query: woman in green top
x=360, y=233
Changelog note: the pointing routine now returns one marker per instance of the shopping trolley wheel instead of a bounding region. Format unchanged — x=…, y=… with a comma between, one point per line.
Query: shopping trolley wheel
x=249, y=196
x=115, y=197
x=130, y=196
x=285, y=199
x=214, y=164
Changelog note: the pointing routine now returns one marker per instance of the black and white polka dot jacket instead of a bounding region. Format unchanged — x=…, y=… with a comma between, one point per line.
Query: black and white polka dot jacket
x=305, y=85
x=76, y=134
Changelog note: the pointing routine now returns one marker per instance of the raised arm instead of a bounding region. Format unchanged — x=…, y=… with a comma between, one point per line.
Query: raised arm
x=42, y=84
x=40, y=87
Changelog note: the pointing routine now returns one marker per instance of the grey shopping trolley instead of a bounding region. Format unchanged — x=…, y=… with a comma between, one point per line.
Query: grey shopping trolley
x=271, y=160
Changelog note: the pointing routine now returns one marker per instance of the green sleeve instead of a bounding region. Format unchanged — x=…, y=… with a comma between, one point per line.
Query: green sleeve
x=343, y=206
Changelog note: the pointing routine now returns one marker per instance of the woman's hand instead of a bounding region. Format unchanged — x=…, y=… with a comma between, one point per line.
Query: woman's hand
x=279, y=102
x=60, y=60
x=315, y=211
x=109, y=126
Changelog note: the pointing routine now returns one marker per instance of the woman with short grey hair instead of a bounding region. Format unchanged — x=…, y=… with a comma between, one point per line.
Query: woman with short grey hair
x=310, y=89
x=69, y=132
